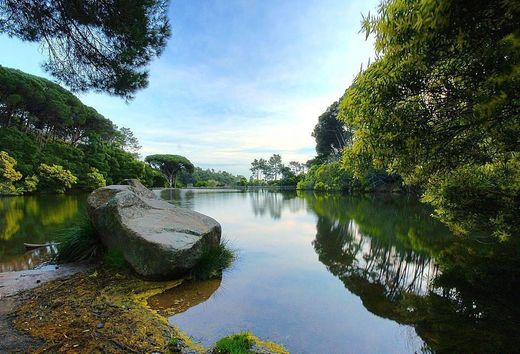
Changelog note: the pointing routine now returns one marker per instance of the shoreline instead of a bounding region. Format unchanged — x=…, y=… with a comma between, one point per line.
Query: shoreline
x=96, y=309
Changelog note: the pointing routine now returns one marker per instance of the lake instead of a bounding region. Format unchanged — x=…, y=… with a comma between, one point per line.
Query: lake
x=320, y=273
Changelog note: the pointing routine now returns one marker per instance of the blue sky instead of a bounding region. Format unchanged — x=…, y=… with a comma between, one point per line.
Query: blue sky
x=239, y=79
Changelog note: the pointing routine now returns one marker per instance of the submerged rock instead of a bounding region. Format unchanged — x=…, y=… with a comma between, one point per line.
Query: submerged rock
x=156, y=238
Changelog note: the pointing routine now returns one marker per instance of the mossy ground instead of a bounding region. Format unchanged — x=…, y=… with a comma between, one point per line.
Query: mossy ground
x=106, y=311
x=101, y=311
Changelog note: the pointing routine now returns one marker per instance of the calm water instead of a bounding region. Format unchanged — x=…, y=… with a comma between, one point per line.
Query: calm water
x=321, y=274
x=315, y=273
x=34, y=219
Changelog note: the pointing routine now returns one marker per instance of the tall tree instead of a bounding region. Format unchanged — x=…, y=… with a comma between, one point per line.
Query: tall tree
x=92, y=45
x=331, y=134
x=440, y=106
x=170, y=166
x=275, y=166
x=255, y=168
x=296, y=167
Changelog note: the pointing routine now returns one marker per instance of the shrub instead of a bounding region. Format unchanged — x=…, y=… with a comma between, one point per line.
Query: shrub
x=55, y=178
x=31, y=183
x=234, y=344
x=95, y=179
x=8, y=174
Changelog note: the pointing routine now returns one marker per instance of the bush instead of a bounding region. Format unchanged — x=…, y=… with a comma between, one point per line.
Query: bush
x=8, y=174
x=55, y=178
x=479, y=198
x=31, y=183
x=329, y=177
x=94, y=180
x=234, y=344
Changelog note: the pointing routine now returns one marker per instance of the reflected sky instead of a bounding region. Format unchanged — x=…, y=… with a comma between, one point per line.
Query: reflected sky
x=281, y=290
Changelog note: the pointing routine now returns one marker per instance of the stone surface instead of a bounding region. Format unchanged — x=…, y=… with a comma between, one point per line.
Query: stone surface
x=156, y=238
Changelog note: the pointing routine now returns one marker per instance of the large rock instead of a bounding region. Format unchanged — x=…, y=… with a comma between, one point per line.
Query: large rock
x=157, y=239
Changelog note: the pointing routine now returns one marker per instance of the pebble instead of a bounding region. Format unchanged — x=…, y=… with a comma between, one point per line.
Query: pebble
x=100, y=325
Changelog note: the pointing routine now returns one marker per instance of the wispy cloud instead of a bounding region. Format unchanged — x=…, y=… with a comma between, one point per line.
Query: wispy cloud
x=239, y=80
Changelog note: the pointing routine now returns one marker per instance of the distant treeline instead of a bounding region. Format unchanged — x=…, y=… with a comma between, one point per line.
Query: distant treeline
x=211, y=178
x=50, y=142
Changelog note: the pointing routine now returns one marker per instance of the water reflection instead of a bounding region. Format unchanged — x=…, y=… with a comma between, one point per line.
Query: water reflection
x=459, y=294
x=266, y=202
x=184, y=296
x=34, y=219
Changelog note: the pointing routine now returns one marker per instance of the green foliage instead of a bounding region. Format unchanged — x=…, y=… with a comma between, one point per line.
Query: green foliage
x=55, y=178
x=234, y=344
x=42, y=123
x=208, y=177
x=100, y=46
x=209, y=183
x=170, y=166
x=48, y=109
x=440, y=105
x=479, y=198
x=8, y=174
x=95, y=179
x=79, y=243
x=213, y=261
x=330, y=133
x=269, y=171
x=330, y=177
x=31, y=184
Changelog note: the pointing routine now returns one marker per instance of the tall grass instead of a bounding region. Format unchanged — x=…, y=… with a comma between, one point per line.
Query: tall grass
x=79, y=243
x=213, y=261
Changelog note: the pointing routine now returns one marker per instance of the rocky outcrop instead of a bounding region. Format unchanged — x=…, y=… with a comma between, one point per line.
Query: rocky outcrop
x=156, y=238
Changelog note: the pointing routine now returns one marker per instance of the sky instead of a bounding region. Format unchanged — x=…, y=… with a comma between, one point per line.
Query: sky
x=238, y=80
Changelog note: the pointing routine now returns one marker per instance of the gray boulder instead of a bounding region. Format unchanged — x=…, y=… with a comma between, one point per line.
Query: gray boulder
x=157, y=239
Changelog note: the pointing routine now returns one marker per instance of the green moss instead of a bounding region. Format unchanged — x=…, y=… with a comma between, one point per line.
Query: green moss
x=213, y=261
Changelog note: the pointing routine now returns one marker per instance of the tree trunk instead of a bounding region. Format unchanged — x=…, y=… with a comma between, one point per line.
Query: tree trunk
x=175, y=180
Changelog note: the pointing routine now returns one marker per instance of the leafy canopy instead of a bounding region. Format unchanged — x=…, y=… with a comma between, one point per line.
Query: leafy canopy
x=92, y=45
x=441, y=101
x=170, y=165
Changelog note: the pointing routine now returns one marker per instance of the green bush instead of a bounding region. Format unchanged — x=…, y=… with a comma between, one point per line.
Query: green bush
x=234, y=344
x=94, y=180
x=55, y=178
x=31, y=183
x=479, y=198
x=8, y=175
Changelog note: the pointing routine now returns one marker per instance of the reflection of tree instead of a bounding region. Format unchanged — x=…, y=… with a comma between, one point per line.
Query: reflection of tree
x=265, y=202
x=33, y=219
x=378, y=260
x=459, y=294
